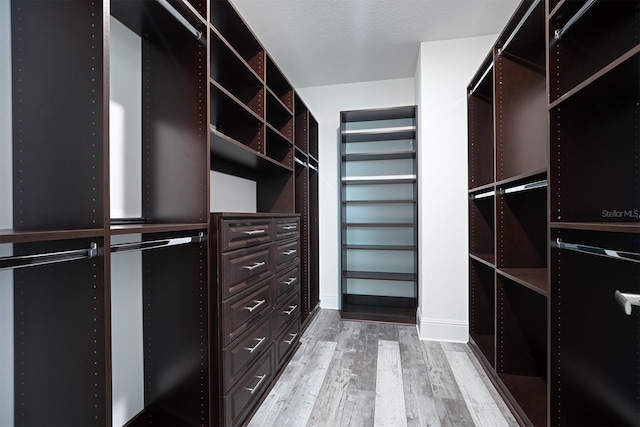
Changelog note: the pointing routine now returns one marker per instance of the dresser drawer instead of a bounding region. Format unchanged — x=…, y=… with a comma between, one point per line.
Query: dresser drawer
x=245, y=267
x=287, y=227
x=248, y=390
x=287, y=341
x=242, y=233
x=286, y=283
x=241, y=311
x=287, y=311
x=239, y=356
x=287, y=252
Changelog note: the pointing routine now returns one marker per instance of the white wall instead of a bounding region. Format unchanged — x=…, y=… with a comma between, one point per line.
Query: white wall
x=6, y=220
x=325, y=103
x=230, y=193
x=443, y=72
x=125, y=156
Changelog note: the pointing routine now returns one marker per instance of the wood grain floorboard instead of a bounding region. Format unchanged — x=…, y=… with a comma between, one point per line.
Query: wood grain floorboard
x=420, y=404
x=482, y=407
x=390, y=408
x=349, y=373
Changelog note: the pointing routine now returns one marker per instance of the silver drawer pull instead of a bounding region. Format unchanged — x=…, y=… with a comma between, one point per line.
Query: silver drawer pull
x=292, y=309
x=252, y=232
x=289, y=227
x=290, y=281
x=260, y=379
x=252, y=349
x=290, y=252
x=626, y=301
x=293, y=337
x=255, y=265
x=258, y=304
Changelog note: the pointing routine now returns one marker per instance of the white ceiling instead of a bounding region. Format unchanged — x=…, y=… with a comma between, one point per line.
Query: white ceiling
x=323, y=42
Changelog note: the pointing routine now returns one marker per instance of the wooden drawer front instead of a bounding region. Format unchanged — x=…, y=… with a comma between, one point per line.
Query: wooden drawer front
x=242, y=311
x=287, y=312
x=246, y=392
x=287, y=253
x=238, y=357
x=287, y=341
x=242, y=233
x=287, y=227
x=243, y=268
x=286, y=283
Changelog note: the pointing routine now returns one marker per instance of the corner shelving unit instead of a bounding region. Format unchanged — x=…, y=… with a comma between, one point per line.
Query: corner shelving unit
x=379, y=214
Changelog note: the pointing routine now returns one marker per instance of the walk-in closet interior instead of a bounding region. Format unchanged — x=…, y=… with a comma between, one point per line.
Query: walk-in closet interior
x=162, y=197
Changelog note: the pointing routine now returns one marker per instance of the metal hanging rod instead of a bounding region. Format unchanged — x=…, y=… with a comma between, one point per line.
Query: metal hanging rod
x=520, y=24
x=21, y=261
x=313, y=167
x=483, y=195
x=559, y=33
x=626, y=301
x=155, y=244
x=595, y=250
x=181, y=19
x=300, y=162
x=524, y=187
x=481, y=78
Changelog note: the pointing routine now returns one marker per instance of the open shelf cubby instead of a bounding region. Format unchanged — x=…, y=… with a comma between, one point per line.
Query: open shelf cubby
x=482, y=303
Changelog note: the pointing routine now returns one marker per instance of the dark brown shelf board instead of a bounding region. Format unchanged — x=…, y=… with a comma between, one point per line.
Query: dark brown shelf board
x=378, y=224
x=615, y=227
x=155, y=228
x=488, y=259
x=617, y=86
x=277, y=98
x=233, y=98
x=377, y=202
x=535, y=279
x=523, y=178
x=375, y=275
x=278, y=133
x=530, y=393
x=392, y=155
x=371, y=135
x=381, y=247
x=232, y=151
x=383, y=309
x=17, y=236
x=376, y=114
x=236, y=53
x=566, y=6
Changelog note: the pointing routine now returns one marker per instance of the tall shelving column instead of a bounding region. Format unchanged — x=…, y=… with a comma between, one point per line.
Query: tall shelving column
x=379, y=214
x=508, y=214
x=594, y=186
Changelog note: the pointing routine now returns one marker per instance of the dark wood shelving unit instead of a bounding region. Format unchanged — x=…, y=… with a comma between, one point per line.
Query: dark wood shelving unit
x=379, y=214
x=212, y=100
x=554, y=232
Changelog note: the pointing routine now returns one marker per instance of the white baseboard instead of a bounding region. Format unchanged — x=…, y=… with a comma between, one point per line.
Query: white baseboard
x=332, y=302
x=442, y=329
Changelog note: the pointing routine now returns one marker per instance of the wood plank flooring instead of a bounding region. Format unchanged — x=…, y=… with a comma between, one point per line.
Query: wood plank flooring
x=348, y=373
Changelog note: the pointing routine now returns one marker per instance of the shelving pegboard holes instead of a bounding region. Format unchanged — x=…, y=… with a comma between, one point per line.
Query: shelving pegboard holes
x=96, y=119
x=499, y=121
x=202, y=136
x=17, y=89
x=556, y=340
x=204, y=333
x=97, y=339
x=557, y=188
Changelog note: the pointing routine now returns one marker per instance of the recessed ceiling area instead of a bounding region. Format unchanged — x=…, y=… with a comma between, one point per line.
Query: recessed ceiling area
x=326, y=42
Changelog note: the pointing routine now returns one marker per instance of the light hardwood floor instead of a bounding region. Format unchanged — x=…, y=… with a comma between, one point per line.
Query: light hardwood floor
x=349, y=373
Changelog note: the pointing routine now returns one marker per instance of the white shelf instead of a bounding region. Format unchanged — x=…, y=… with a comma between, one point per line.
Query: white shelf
x=379, y=130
